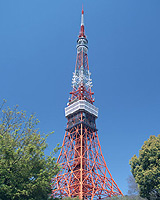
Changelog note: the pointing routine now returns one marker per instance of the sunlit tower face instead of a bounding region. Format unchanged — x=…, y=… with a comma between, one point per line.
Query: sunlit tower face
x=84, y=172
x=81, y=81
x=81, y=76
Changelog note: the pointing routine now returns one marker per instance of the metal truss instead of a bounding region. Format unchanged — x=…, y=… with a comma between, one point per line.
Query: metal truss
x=84, y=172
x=83, y=169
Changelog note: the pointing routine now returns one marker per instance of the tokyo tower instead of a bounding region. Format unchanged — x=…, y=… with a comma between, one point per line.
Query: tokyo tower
x=84, y=172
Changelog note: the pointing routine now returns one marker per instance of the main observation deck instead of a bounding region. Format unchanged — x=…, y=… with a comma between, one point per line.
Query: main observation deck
x=81, y=105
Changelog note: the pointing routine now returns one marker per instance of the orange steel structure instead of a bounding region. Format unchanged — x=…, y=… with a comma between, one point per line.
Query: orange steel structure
x=84, y=172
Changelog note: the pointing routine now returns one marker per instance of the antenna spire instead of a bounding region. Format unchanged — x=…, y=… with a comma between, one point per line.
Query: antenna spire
x=82, y=24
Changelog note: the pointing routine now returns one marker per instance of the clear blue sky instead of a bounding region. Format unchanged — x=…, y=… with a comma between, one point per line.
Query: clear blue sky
x=37, y=58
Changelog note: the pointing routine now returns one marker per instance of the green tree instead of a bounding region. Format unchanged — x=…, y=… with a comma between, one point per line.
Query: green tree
x=25, y=171
x=132, y=186
x=125, y=198
x=69, y=198
x=146, y=168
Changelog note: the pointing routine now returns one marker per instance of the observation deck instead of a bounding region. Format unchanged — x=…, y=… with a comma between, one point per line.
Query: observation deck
x=81, y=105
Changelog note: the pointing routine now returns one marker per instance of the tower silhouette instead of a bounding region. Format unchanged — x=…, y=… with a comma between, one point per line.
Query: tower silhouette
x=83, y=169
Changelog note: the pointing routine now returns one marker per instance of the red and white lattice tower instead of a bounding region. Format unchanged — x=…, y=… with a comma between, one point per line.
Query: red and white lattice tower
x=84, y=172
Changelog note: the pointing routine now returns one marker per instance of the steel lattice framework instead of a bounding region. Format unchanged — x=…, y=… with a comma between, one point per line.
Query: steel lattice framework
x=84, y=172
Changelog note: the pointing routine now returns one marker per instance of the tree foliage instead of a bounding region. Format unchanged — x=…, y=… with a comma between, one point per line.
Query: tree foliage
x=126, y=198
x=25, y=171
x=69, y=198
x=146, y=168
x=132, y=186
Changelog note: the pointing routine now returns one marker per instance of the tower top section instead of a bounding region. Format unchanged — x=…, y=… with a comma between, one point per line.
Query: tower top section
x=82, y=34
x=81, y=81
